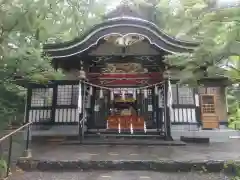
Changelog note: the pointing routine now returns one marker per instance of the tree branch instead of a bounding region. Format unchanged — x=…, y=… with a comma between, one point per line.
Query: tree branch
x=233, y=68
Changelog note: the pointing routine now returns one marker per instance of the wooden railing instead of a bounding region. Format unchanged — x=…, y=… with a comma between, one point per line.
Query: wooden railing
x=6, y=163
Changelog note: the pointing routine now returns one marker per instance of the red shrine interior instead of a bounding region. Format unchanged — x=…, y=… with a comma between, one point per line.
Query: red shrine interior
x=124, y=114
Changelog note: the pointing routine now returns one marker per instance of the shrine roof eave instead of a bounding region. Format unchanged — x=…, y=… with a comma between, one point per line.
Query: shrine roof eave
x=120, y=26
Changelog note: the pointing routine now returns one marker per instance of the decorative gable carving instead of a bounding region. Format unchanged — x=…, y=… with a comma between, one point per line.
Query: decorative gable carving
x=141, y=48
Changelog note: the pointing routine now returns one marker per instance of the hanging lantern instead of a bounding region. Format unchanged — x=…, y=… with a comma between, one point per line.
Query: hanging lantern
x=101, y=94
x=91, y=90
x=156, y=90
x=112, y=95
x=145, y=93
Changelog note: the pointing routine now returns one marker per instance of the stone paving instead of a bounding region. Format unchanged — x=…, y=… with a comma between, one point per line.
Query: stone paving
x=118, y=175
x=227, y=151
x=192, y=152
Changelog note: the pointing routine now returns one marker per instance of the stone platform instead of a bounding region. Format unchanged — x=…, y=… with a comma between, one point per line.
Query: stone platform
x=211, y=157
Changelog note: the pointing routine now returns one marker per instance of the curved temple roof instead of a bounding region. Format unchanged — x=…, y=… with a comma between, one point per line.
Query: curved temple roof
x=120, y=26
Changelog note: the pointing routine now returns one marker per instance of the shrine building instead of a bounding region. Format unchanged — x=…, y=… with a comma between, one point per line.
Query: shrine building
x=116, y=82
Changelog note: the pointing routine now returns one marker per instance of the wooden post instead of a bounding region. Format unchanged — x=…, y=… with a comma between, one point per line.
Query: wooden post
x=54, y=102
x=28, y=105
x=167, y=121
x=156, y=107
x=196, y=97
x=145, y=102
x=160, y=107
x=90, y=122
x=27, y=151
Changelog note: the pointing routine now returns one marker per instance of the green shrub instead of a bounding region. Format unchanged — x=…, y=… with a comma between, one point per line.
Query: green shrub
x=3, y=167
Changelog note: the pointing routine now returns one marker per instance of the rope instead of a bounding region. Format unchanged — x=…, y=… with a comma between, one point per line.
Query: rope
x=104, y=87
x=159, y=83
x=95, y=85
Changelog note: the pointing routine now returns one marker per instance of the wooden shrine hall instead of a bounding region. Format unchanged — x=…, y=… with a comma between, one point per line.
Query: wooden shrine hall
x=116, y=81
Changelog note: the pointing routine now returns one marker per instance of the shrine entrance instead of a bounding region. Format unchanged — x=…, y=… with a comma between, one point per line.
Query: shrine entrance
x=130, y=110
x=124, y=113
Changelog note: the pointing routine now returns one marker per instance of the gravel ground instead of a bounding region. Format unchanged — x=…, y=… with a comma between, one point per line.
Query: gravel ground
x=117, y=175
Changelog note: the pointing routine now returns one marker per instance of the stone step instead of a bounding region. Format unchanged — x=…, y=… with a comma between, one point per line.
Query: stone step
x=94, y=139
x=124, y=141
x=124, y=165
x=126, y=136
x=125, y=131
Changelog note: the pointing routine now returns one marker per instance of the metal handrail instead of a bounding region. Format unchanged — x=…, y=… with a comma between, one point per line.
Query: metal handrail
x=84, y=117
x=14, y=132
x=10, y=137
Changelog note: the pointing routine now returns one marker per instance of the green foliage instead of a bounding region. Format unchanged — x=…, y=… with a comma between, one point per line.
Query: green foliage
x=233, y=98
x=24, y=27
x=3, y=167
x=218, y=33
x=216, y=30
x=235, y=168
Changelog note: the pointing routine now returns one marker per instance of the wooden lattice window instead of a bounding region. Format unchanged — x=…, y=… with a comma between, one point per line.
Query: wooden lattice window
x=208, y=104
x=42, y=97
x=149, y=96
x=64, y=95
x=185, y=95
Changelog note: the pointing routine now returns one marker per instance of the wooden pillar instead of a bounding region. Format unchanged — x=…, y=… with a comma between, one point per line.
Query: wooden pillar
x=156, y=106
x=139, y=94
x=102, y=111
x=167, y=121
x=54, y=103
x=82, y=109
x=82, y=96
x=96, y=108
x=108, y=104
x=28, y=105
x=91, y=120
x=153, y=108
x=112, y=101
x=145, y=107
x=197, y=103
x=161, y=106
